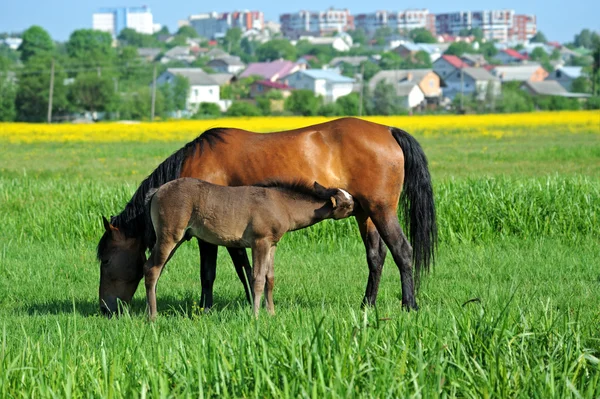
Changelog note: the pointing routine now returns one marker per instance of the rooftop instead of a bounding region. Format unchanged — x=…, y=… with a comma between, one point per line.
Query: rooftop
x=519, y=73
x=196, y=76
x=327, y=75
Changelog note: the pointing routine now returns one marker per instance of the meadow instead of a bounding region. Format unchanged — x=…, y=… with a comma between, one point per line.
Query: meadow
x=510, y=309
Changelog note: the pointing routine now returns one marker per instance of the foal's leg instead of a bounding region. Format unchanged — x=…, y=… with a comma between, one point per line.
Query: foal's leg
x=208, y=271
x=161, y=253
x=260, y=266
x=271, y=281
x=386, y=221
x=243, y=269
x=376, y=252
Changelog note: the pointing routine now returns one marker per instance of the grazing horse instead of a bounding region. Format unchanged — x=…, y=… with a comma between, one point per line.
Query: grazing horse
x=240, y=217
x=373, y=162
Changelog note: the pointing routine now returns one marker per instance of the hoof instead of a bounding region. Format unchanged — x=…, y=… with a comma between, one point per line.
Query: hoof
x=410, y=307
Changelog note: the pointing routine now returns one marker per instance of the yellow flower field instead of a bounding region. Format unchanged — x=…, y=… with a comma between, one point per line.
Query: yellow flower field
x=497, y=125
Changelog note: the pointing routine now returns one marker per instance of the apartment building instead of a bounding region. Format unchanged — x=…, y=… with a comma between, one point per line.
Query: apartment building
x=499, y=25
x=114, y=20
x=399, y=21
x=316, y=23
x=213, y=24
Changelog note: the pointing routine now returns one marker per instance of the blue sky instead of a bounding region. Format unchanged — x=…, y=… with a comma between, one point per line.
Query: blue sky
x=559, y=20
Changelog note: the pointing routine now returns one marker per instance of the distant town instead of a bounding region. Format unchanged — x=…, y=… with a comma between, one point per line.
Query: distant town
x=329, y=62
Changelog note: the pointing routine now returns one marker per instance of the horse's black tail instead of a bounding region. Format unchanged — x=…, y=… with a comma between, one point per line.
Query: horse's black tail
x=417, y=202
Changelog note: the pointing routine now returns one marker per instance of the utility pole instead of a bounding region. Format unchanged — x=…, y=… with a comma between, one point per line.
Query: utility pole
x=153, y=94
x=462, y=90
x=362, y=89
x=51, y=92
x=117, y=94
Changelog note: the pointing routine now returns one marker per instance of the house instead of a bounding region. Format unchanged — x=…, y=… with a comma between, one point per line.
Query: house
x=474, y=60
x=223, y=79
x=215, y=53
x=148, y=53
x=12, y=42
x=520, y=73
x=203, y=88
x=271, y=70
x=342, y=42
x=428, y=81
x=178, y=53
x=227, y=64
x=411, y=95
x=324, y=83
x=510, y=56
x=566, y=75
x=261, y=87
x=549, y=88
x=471, y=81
x=448, y=64
x=409, y=50
x=355, y=61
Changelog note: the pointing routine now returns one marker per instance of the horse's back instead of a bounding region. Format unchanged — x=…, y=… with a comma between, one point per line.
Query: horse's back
x=349, y=153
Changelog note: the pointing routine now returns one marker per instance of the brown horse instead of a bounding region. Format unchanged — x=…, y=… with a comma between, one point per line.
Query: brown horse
x=374, y=163
x=240, y=217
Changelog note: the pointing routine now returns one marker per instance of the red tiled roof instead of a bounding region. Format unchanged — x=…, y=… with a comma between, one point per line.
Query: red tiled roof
x=489, y=67
x=515, y=54
x=274, y=85
x=455, y=61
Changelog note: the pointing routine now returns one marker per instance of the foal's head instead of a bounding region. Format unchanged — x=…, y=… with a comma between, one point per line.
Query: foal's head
x=341, y=200
x=121, y=267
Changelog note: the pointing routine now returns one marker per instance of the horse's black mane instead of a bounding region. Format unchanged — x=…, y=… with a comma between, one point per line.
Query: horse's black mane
x=133, y=220
x=299, y=187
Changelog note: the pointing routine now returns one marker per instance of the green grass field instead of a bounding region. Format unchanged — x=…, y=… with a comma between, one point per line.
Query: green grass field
x=511, y=308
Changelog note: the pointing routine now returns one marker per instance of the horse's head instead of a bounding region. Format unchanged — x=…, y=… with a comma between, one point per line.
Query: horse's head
x=121, y=267
x=342, y=201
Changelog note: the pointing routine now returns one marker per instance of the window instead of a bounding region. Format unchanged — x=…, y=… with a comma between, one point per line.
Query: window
x=210, y=91
x=431, y=83
x=195, y=92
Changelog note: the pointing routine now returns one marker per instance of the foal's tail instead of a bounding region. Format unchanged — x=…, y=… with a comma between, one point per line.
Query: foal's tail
x=149, y=196
x=417, y=202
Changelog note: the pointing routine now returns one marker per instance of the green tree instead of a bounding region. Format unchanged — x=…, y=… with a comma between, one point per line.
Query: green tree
x=133, y=38
x=90, y=47
x=34, y=86
x=459, y=48
x=358, y=36
x=538, y=54
x=187, y=31
x=586, y=38
x=581, y=85
x=232, y=40
x=422, y=35
x=207, y=111
x=383, y=100
x=248, y=50
x=8, y=92
x=382, y=34
x=276, y=49
x=303, y=102
x=348, y=105
x=240, y=108
x=390, y=60
x=369, y=70
x=539, y=37
x=91, y=92
x=35, y=41
x=330, y=109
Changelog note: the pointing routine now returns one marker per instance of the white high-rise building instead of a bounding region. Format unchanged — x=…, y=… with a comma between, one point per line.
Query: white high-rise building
x=114, y=20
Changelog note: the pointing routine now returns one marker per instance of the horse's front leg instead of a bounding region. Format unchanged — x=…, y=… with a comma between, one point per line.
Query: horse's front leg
x=271, y=281
x=208, y=272
x=261, y=250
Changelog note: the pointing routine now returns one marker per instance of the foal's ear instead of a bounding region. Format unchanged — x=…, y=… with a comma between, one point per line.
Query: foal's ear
x=334, y=202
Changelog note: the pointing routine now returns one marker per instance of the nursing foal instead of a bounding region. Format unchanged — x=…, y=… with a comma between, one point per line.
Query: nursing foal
x=253, y=217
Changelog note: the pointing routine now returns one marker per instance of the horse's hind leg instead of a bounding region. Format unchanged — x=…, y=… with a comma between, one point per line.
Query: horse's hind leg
x=208, y=271
x=161, y=253
x=376, y=252
x=243, y=269
x=386, y=221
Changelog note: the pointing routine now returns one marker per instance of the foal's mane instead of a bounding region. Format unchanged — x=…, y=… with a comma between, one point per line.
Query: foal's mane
x=133, y=220
x=299, y=187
